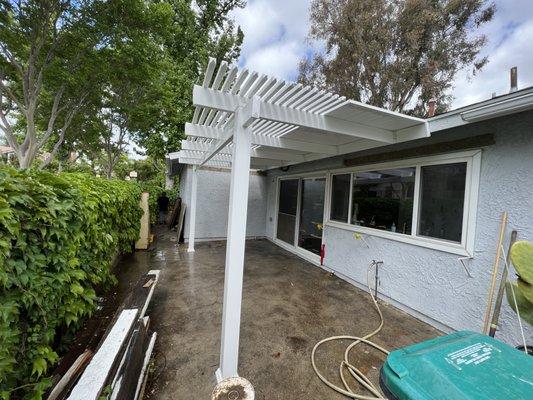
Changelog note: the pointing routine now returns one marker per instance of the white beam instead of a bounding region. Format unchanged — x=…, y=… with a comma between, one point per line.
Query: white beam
x=196, y=161
x=192, y=209
x=413, y=132
x=256, y=153
x=238, y=205
x=215, y=99
x=225, y=160
x=209, y=132
x=209, y=98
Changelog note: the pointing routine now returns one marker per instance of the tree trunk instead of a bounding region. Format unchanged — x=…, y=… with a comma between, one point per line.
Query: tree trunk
x=26, y=158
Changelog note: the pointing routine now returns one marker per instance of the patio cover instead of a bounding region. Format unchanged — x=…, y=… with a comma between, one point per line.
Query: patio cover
x=245, y=120
x=290, y=123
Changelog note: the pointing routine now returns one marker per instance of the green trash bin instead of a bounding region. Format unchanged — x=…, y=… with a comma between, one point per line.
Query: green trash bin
x=460, y=366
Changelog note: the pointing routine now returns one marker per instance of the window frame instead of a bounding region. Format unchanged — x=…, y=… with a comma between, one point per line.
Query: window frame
x=307, y=255
x=473, y=167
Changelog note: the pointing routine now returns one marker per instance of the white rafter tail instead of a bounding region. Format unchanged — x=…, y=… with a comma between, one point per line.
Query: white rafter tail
x=211, y=65
x=246, y=85
x=329, y=105
x=266, y=87
x=328, y=97
x=281, y=92
x=288, y=94
x=298, y=103
x=296, y=96
x=213, y=115
x=254, y=88
x=278, y=86
x=320, y=94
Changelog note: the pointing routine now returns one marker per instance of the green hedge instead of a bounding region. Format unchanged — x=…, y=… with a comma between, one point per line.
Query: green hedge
x=58, y=235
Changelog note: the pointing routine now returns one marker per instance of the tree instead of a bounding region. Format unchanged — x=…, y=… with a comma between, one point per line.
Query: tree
x=55, y=59
x=200, y=29
x=47, y=68
x=396, y=54
x=130, y=102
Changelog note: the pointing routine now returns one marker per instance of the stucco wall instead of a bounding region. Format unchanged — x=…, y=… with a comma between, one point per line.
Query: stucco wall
x=213, y=203
x=429, y=283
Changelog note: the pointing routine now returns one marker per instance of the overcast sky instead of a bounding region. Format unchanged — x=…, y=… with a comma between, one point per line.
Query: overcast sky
x=275, y=40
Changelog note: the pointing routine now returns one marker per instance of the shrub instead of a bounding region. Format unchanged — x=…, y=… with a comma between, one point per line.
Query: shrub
x=58, y=235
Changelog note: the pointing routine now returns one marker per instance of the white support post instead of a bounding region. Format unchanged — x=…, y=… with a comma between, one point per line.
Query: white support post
x=238, y=204
x=192, y=209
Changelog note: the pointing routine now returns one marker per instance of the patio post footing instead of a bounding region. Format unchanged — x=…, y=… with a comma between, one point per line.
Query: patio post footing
x=235, y=388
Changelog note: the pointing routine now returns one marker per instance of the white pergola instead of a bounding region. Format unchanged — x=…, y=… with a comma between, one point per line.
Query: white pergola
x=245, y=120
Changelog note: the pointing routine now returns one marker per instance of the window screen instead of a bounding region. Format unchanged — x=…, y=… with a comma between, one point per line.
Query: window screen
x=384, y=199
x=340, y=197
x=442, y=201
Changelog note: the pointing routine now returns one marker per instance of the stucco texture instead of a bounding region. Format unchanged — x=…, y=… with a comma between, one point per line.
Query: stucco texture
x=213, y=203
x=433, y=284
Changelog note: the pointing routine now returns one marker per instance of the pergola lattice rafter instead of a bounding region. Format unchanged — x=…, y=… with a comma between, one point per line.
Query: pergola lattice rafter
x=290, y=123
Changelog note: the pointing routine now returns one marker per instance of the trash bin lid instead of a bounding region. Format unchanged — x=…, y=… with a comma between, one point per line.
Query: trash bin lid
x=462, y=365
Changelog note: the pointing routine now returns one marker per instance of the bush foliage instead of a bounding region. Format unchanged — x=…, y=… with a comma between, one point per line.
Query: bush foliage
x=58, y=235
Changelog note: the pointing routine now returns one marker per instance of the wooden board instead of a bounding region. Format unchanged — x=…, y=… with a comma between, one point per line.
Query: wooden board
x=173, y=216
x=128, y=376
x=95, y=376
x=180, y=222
x=424, y=150
x=143, y=378
x=68, y=380
x=154, y=277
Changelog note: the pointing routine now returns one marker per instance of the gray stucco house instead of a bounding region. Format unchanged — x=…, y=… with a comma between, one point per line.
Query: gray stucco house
x=429, y=209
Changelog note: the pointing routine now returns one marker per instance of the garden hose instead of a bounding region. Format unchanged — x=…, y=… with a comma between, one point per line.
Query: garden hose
x=345, y=364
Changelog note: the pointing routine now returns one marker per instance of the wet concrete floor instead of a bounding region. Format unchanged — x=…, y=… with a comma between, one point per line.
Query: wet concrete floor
x=288, y=305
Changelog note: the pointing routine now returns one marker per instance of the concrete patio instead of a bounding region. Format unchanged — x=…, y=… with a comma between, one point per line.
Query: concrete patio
x=288, y=305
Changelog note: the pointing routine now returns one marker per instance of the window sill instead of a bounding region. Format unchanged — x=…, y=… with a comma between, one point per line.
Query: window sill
x=399, y=237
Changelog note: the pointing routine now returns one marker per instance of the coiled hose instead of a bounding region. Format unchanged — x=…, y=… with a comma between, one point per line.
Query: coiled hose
x=345, y=364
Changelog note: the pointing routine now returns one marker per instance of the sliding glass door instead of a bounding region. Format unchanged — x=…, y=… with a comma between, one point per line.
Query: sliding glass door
x=287, y=210
x=301, y=212
x=311, y=214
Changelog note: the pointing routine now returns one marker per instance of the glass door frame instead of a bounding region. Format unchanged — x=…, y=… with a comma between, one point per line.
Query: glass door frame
x=294, y=247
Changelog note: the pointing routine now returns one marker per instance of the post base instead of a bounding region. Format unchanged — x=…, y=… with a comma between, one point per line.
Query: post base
x=236, y=388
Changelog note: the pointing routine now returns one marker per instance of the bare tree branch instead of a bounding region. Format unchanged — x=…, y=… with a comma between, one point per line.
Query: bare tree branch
x=9, y=93
x=6, y=127
x=11, y=59
x=53, y=116
x=62, y=132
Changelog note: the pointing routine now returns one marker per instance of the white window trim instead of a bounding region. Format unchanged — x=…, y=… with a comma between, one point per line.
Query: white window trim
x=466, y=247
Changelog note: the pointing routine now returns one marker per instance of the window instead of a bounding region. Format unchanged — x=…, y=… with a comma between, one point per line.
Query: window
x=428, y=201
x=442, y=197
x=340, y=197
x=384, y=199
